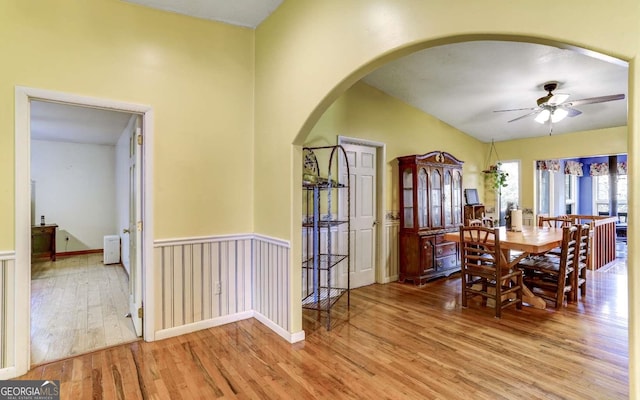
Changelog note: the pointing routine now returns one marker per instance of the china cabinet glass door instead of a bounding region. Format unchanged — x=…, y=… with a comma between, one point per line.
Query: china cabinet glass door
x=422, y=198
x=457, y=198
x=436, y=198
x=447, y=205
x=407, y=197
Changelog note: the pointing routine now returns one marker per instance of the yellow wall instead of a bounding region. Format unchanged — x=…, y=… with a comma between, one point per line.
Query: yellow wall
x=366, y=113
x=197, y=75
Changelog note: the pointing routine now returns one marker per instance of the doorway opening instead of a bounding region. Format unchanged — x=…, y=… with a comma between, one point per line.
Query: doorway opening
x=137, y=196
x=79, y=212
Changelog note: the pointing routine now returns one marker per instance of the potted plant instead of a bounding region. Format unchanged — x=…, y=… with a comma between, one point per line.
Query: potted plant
x=497, y=178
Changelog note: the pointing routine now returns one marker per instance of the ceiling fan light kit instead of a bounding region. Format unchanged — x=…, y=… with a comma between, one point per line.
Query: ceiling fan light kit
x=553, y=108
x=543, y=116
x=558, y=114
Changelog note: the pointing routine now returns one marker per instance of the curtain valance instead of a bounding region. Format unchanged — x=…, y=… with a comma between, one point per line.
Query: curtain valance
x=598, y=169
x=573, y=168
x=548, y=165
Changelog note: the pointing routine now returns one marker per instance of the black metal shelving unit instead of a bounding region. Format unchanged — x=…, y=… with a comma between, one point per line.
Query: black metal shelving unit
x=323, y=258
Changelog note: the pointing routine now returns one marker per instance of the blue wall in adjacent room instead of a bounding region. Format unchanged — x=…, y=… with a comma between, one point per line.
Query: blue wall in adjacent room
x=585, y=183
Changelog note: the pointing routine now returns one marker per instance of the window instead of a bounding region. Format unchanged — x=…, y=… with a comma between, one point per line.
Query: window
x=571, y=194
x=601, y=194
x=510, y=194
x=544, y=192
x=622, y=193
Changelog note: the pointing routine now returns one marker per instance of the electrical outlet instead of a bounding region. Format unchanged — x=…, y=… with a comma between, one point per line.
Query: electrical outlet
x=217, y=289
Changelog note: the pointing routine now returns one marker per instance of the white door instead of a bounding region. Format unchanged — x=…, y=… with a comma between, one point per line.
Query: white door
x=362, y=168
x=135, y=228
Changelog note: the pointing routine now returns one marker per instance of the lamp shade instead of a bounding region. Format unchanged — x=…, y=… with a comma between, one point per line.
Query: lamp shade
x=558, y=114
x=543, y=116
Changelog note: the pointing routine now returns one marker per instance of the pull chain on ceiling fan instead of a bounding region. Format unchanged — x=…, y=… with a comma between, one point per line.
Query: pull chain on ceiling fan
x=553, y=108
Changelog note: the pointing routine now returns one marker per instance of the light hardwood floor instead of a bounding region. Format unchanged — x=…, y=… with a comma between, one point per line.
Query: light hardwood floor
x=397, y=341
x=78, y=305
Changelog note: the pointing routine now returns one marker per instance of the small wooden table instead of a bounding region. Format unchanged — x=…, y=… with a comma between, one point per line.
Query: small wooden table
x=43, y=241
x=531, y=240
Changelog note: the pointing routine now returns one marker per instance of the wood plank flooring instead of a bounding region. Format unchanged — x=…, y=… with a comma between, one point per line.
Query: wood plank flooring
x=397, y=341
x=77, y=305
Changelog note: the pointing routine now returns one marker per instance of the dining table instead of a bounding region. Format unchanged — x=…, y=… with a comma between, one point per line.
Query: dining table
x=517, y=245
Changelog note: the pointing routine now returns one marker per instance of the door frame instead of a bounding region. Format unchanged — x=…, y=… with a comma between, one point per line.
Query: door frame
x=381, y=233
x=21, y=339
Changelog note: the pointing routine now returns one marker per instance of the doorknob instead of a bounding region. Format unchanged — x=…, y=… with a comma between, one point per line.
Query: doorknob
x=125, y=231
x=374, y=223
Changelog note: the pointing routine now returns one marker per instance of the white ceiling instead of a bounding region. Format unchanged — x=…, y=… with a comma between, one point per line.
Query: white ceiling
x=249, y=13
x=70, y=123
x=461, y=84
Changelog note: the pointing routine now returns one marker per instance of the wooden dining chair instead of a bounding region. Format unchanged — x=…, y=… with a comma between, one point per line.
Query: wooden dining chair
x=622, y=217
x=583, y=255
x=621, y=227
x=484, y=221
x=487, y=222
x=555, y=222
x=551, y=277
x=484, y=270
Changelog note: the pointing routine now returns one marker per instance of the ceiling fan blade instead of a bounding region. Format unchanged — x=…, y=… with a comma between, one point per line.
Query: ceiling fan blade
x=517, y=109
x=525, y=116
x=572, y=112
x=592, y=100
x=557, y=99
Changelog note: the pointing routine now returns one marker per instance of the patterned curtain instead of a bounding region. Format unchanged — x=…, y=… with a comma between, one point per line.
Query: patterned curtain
x=597, y=169
x=573, y=168
x=548, y=165
x=622, y=168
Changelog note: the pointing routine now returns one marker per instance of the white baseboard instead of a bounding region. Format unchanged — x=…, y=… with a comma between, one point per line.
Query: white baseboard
x=210, y=323
x=196, y=326
x=289, y=337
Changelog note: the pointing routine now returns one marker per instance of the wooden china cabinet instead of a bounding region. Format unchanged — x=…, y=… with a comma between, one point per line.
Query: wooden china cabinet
x=431, y=204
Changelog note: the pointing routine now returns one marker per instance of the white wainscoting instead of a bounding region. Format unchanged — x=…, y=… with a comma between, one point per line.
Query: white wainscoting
x=7, y=314
x=390, y=251
x=271, y=282
x=210, y=281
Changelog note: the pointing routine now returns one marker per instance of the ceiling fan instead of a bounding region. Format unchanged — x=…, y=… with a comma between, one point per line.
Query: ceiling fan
x=553, y=108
